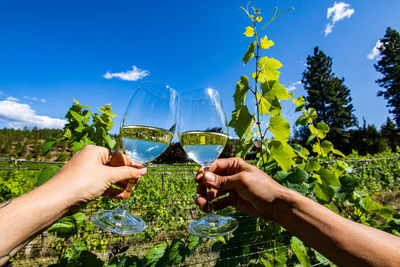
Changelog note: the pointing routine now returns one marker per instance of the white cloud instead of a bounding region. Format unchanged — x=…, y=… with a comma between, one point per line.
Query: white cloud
x=293, y=86
x=130, y=75
x=374, y=52
x=18, y=115
x=10, y=98
x=34, y=99
x=338, y=12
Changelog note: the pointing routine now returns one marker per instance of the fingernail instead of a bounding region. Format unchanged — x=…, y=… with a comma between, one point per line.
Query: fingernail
x=142, y=171
x=209, y=176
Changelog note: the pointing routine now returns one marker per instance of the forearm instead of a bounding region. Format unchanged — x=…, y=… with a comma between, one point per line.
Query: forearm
x=26, y=216
x=344, y=242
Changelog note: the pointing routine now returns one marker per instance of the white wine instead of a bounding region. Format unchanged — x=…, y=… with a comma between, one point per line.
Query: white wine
x=203, y=147
x=142, y=144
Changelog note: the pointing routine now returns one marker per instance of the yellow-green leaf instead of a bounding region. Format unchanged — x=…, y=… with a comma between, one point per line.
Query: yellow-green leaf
x=280, y=128
x=249, y=31
x=320, y=131
x=264, y=104
x=338, y=152
x=272, y=89
x=283, y=154
x=328, y=177
x=268, y=69
x=265, y=43
x=299, y=101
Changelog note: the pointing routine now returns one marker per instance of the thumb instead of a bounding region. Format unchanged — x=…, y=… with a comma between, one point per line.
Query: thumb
x=117, y=174
x=223, y=183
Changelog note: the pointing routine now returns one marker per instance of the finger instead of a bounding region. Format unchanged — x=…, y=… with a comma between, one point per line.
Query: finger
x=118, y=159
x=201, y=189
x=202, y=203
x=124, y=183
x=117, y=174
x=102, y=153
x=113, y=193
x=199, y=176
x=227, y=166
x=223, y=183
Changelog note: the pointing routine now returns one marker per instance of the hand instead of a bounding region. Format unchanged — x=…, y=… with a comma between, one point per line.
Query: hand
x=250, y=190
x=92, y=171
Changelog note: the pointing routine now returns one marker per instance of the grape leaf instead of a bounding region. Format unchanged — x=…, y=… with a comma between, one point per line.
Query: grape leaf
x=268, y=69
x=176, y=252
x=265, y=43
x=46, y=175
x=299, y=101
x=249, y=31
x=264, y=104
x=300, y=251
x=244, y=148
x=283, y=154
x=323, y=193
x=280, y=128
x=242, y=121
x=297, y=176
x=312, y=165
x=242, y=87
x=155, y=254
x=250, y=52
x=328, y=177
x=302, y=120
x=271, y=89
x=46, y=148
x=323, y=149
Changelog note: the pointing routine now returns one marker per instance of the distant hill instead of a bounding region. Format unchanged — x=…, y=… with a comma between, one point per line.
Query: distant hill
x=27, y=144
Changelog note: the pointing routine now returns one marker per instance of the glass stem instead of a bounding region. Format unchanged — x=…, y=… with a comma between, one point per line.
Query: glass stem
x=209, y=195
x=210, y=207
x=124, y=206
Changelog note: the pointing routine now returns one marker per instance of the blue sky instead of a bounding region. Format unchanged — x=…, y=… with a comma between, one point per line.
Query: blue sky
x=54, y=51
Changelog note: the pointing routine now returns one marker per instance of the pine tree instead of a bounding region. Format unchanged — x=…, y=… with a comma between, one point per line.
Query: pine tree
x=329, y=96
x=391, y=133
x=389, y=66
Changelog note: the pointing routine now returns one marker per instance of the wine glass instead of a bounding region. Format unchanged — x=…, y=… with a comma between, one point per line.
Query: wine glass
x=203, y=133
x=146, y=131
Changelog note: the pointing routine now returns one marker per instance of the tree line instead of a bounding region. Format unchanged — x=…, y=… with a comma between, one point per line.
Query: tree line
x=331, y=98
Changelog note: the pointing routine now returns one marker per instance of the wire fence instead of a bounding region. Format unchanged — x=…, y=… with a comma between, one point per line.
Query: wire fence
x=177, y=211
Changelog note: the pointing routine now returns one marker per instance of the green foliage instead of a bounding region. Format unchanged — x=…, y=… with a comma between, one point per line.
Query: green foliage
x=326, y=113
x=46, y=174
x=84, y=128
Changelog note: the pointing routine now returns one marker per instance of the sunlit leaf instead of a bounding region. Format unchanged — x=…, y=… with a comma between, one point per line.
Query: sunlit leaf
x=300, y=251
x=265, y=43
x=283, y=154
x=249, y=31
x=280, y=128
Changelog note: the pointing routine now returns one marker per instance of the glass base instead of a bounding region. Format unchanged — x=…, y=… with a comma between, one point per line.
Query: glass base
x=212, y=225
x=119, y=221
